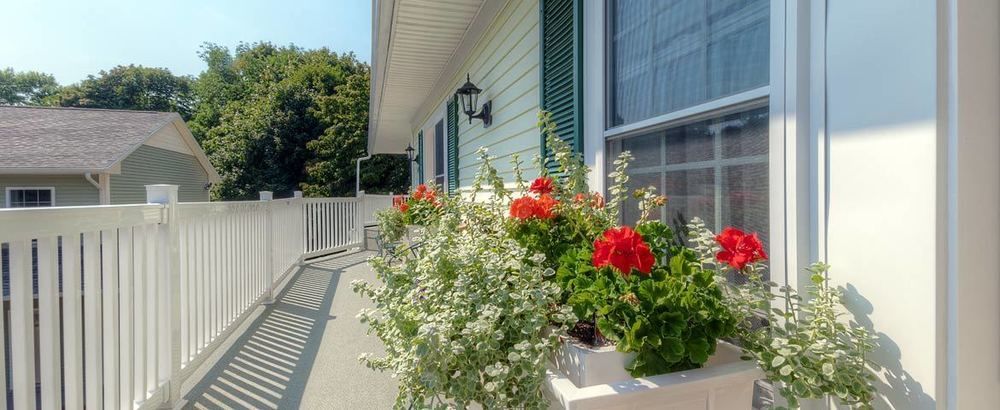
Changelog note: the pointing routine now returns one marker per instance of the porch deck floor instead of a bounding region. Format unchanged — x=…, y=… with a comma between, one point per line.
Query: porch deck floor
x=302, y=351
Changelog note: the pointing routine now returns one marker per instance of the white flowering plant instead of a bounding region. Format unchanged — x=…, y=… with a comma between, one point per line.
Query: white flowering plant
x=462, y=320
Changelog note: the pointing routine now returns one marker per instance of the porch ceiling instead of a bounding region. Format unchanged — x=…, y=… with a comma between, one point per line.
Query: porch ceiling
x=413, y=42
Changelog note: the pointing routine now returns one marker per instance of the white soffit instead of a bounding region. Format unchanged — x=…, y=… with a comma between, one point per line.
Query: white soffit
x=414, y=42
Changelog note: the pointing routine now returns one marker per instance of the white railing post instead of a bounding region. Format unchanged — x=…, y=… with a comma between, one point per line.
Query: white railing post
x=300, y=227
x=359, y=219
x=269, y=245
x=169, y=244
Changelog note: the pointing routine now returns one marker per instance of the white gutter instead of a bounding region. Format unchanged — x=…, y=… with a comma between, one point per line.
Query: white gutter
x=88, y=176
x=357, y=174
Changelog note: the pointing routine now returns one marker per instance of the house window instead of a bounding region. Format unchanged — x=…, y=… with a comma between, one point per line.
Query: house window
x=30, y=197
x=688, y=97
x=666, y=56
x=439, y=148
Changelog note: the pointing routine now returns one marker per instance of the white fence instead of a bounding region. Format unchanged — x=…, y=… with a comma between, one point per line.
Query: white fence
x=131, y=299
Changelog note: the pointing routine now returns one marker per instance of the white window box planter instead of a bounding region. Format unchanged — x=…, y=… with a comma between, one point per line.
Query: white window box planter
x=582, y=377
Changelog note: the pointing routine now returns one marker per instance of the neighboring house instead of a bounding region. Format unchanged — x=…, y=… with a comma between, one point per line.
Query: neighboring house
x=80, y=156
x=862, y=133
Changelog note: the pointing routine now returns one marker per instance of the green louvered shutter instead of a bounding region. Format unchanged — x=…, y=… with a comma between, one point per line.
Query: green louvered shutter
x=452, y=145
x=420, y=157
x=562, y=68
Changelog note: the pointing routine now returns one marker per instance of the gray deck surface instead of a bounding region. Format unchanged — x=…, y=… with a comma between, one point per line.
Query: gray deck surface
x=302, y=351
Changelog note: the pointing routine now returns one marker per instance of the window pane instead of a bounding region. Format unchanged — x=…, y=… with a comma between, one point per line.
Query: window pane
x=45, y=197
x=670, y=55
x=645, y=150
x=690, y=143
x=714, y=169
x=690, y=194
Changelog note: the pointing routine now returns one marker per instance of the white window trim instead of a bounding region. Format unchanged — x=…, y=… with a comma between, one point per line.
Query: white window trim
x=52, y=190
x=790, y=194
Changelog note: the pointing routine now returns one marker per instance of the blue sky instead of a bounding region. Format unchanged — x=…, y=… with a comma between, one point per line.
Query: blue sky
x=73, y=38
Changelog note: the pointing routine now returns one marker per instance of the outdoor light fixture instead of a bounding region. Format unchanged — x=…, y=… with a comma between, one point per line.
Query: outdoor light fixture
x=469, y=95
x=409, y=152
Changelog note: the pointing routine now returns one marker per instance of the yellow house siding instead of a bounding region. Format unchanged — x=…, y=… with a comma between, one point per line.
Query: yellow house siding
x=504, y=63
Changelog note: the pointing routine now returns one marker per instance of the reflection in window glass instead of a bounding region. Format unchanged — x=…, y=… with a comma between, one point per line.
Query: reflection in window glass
x=714, y=169
x=670, y=55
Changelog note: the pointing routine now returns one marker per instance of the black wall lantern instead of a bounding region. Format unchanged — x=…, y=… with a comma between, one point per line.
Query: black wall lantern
x=409, y=153
x=469, y=95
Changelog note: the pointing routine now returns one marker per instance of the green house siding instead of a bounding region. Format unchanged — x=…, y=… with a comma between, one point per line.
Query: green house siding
x=150, y=165
x=504, y=63
x=71, y=190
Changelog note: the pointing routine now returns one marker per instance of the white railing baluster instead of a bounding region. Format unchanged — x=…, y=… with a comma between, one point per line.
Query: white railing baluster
x=22, y=324
x=126, y=272
x=109, y=310
x=93, y=365
x=72, y=321
x=151, y=306
x=140, y=256
x=48, y=323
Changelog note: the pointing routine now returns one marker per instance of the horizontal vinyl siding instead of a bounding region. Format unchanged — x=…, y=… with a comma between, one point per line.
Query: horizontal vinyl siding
x=505, y=65
x=151, y=165
x=71, y=190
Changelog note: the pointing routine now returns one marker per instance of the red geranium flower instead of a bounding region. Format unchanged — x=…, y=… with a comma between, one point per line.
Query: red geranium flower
x=419, y=193
x=398, y=200
x=403, y=207
x=522, y=208
x=542, y=186
x=544, y=207
x=624, y=249
x=739, y=248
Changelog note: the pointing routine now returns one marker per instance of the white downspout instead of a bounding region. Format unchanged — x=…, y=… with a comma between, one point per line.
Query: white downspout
x=89, y=177
x=357, y=174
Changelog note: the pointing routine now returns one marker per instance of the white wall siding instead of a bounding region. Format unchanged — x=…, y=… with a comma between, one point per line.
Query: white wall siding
x=505, y=65
x=884, y=235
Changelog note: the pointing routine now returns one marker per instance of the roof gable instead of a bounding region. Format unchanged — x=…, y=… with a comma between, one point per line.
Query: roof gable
x=44, y=139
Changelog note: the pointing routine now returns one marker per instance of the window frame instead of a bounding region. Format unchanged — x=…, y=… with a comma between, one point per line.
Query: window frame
x=441, y=152
x=8, y=190
x=785, y=194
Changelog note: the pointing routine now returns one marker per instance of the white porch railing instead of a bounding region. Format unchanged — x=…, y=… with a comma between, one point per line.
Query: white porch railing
x=157, y=288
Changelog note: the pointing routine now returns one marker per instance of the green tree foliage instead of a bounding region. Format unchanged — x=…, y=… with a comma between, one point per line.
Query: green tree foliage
x=25, y=87
x=345, y=116
x=284, y=118
x=130, y=87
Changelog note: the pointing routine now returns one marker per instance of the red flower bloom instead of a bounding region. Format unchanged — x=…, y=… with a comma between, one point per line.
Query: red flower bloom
x=542, y=186
x=739, y=248
x=403, y=207
x=544, y=207
x=522, y=208
x=419, y=193
x=398, y=200
x=624, y=249
x=527, y=207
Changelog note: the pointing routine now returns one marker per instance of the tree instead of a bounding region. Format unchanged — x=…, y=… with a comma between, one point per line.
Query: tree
x=282, y=118
x=345, y=115
x=26, y=87
x=131, y=87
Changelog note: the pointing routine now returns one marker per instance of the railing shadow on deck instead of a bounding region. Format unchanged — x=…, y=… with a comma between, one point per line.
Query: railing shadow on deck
x=269, y=364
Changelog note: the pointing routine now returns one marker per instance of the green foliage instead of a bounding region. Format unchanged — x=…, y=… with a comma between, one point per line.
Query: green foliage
x=809, y=349
x=462, y=322
x=391, y=224
x=671, y=319
x=284, y=118
x=131, y=87
x=26, y=87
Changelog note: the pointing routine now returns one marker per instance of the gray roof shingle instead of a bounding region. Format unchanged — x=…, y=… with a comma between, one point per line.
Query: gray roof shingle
x=72, y=138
